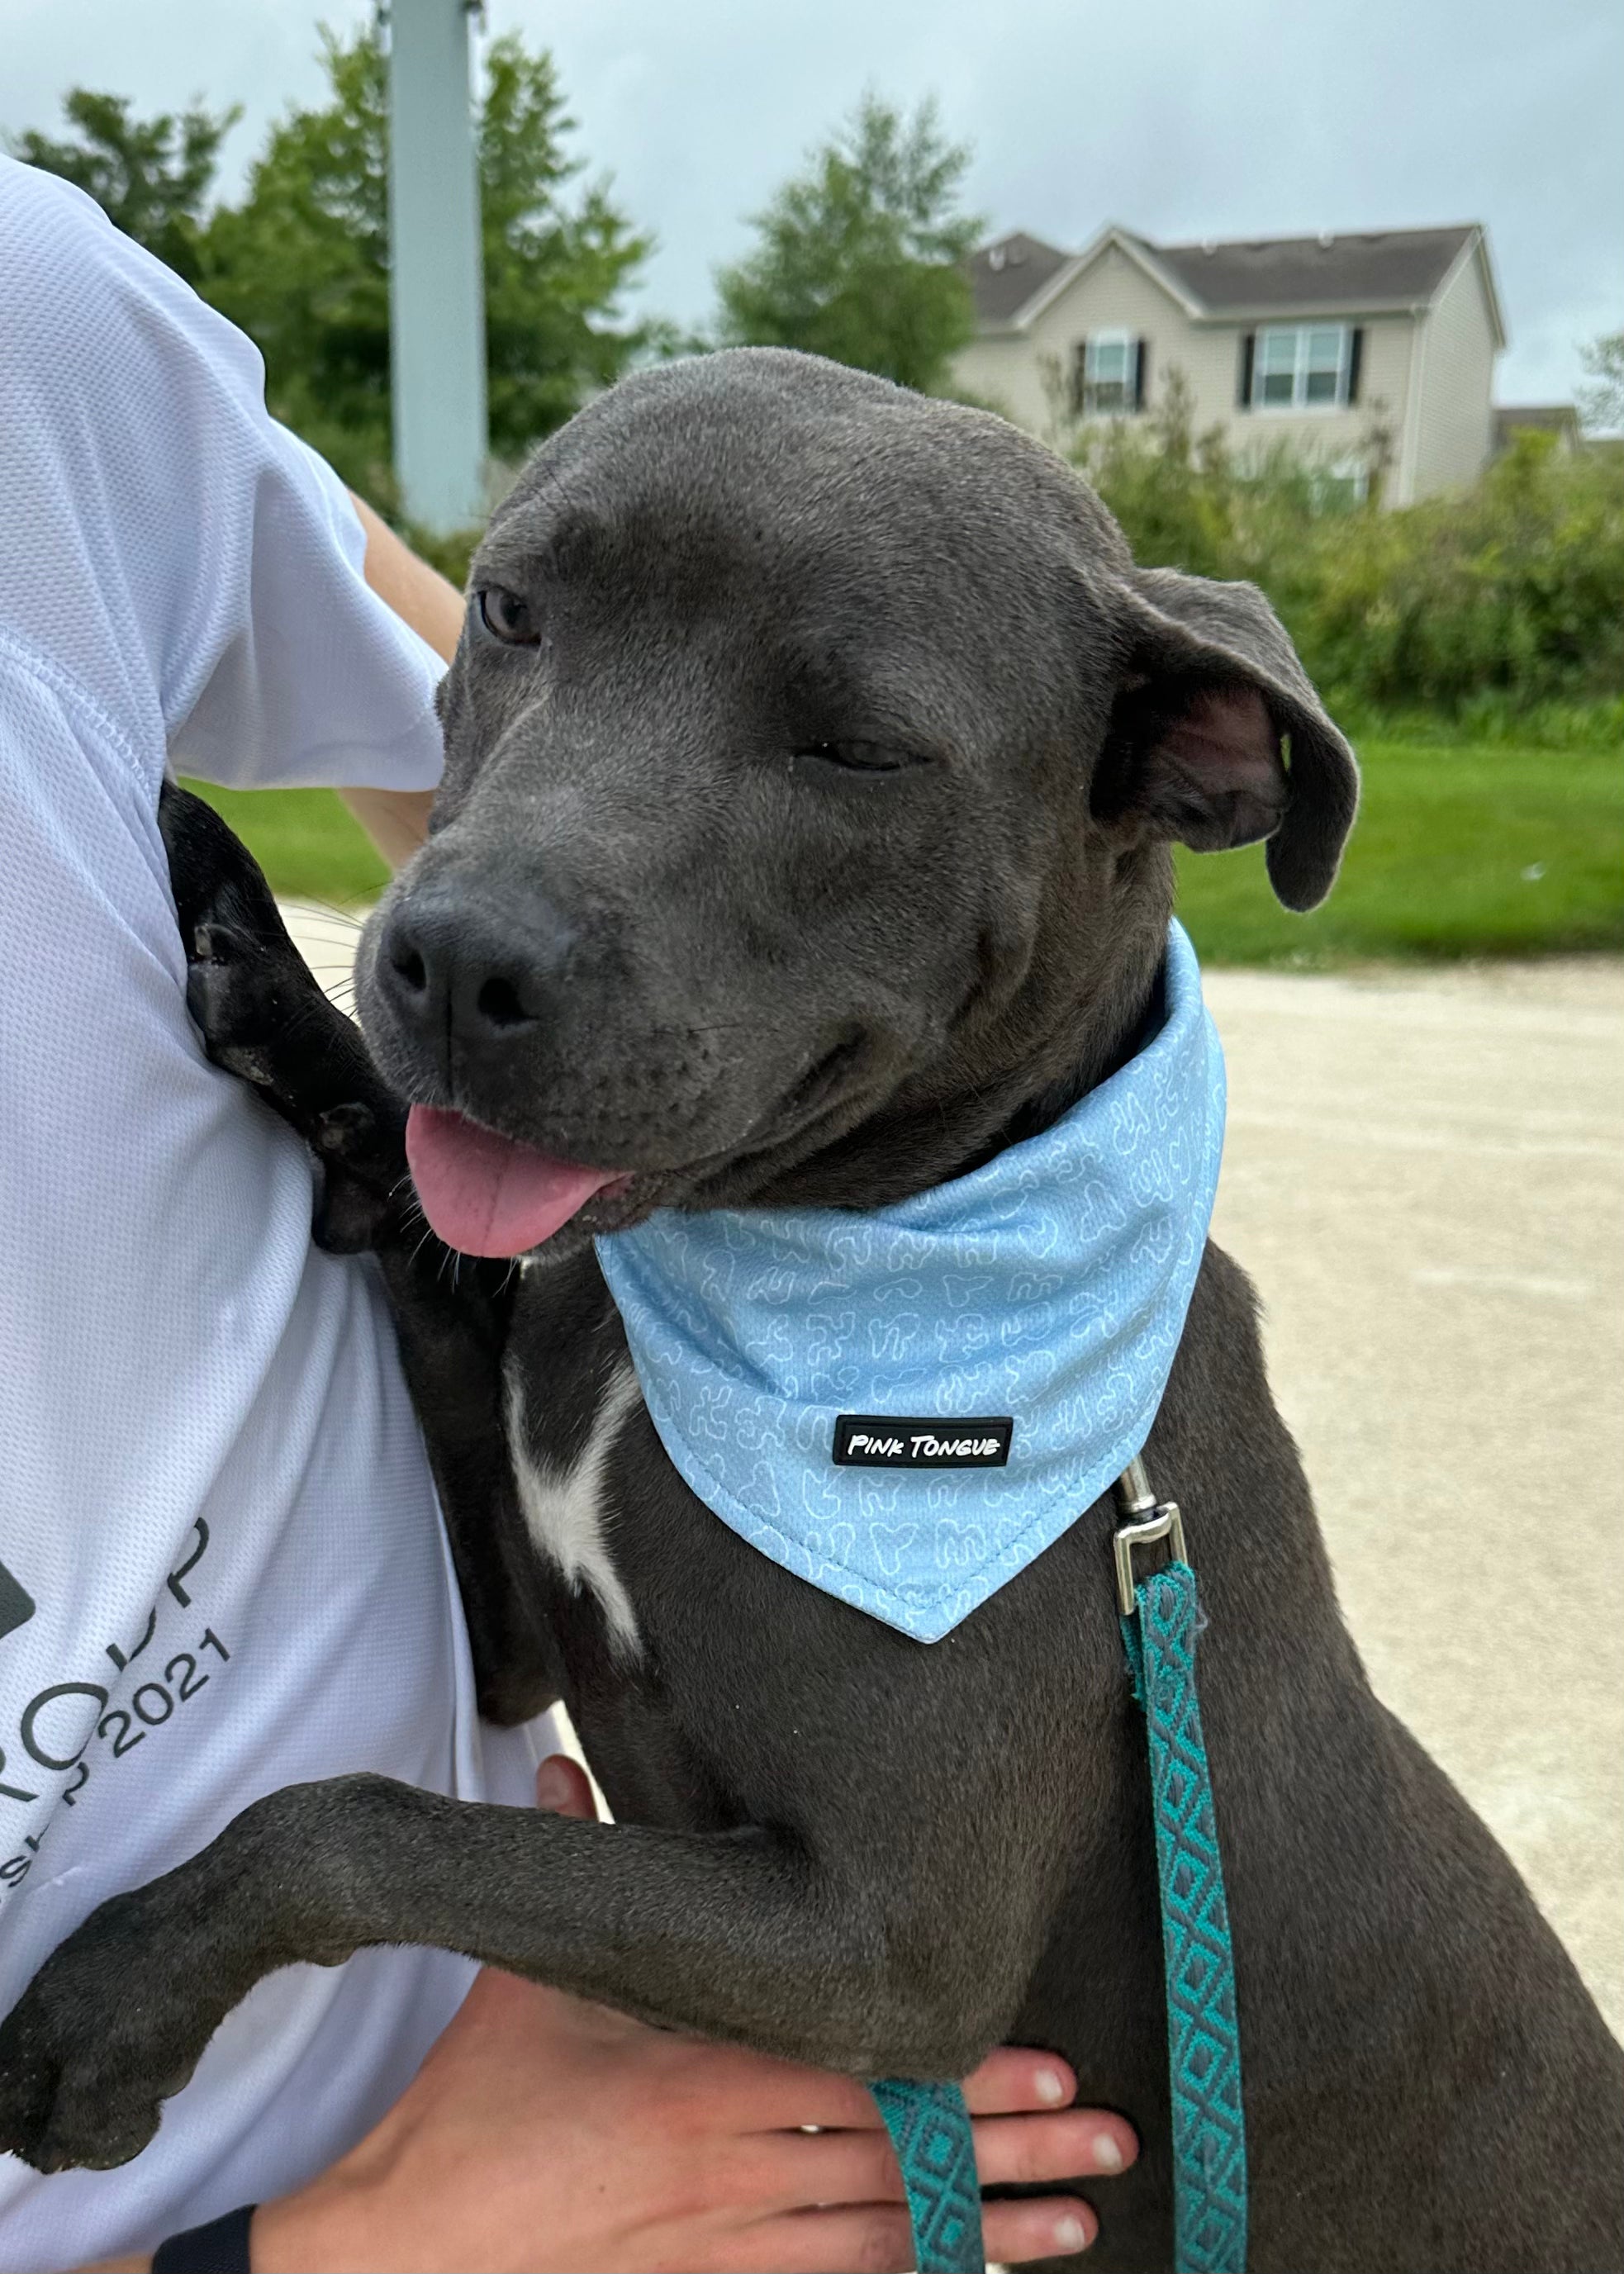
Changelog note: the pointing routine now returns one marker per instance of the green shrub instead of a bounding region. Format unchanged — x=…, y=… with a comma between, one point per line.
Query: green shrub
x=1480, y=605
x=1186, y=500
x=1514, y=591
x=1491, y=720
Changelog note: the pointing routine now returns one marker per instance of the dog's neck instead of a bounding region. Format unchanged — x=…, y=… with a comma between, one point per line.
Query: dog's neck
x=1108, y=1053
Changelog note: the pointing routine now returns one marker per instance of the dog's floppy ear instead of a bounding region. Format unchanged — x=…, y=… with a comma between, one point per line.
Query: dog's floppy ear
x=1210, y=686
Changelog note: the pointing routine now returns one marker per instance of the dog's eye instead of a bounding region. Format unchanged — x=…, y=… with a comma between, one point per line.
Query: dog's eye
x=859, y=757
x=506, y=617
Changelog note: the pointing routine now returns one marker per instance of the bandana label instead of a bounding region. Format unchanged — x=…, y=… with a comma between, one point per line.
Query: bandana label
x=883, y=1441
x=1051, y=1282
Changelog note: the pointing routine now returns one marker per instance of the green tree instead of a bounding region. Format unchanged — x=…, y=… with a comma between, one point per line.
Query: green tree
x=302, y=263
x=1601, y=402
x=859, y=257
x=553, y=275
x=151, y=177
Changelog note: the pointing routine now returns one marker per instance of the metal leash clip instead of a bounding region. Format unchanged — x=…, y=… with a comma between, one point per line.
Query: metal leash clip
x=1145, y=1520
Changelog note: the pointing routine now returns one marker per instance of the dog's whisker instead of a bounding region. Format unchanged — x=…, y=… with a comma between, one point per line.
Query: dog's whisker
x=347, y=917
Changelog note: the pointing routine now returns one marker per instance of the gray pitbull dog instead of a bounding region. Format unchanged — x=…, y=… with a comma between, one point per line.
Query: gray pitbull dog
x=814, y=755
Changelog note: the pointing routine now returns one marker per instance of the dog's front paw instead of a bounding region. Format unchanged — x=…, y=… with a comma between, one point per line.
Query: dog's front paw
x=99, y=2040
x=263, y=1017
x=233, y=995
x=247, y=984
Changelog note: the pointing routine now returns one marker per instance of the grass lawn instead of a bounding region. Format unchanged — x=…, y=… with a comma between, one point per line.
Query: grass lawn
x=306, y=840
x=1461, y=849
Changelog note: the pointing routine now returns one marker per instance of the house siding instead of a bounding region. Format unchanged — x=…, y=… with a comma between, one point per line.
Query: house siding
x=1423, y=420
x=1003, y=373
x=1114, y=294
x=1453, y=429
x=1336, y=435
x=1025, y=375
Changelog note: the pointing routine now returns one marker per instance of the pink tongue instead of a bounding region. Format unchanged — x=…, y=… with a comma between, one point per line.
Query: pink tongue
x=485, y=1195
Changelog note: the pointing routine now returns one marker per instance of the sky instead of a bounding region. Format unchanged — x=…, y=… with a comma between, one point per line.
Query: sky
x=1178, y=119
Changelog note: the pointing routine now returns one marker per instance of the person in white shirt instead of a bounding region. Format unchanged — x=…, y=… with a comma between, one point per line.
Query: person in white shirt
x=221, y=1566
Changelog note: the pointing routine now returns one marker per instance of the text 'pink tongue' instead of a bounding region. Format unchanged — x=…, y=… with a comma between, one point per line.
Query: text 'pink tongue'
x=485, y=1195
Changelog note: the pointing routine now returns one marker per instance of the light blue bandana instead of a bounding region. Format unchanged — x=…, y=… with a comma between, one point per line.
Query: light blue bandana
x=1047, y=1290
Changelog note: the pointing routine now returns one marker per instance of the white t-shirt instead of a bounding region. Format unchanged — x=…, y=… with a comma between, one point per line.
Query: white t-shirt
x=222, y=1565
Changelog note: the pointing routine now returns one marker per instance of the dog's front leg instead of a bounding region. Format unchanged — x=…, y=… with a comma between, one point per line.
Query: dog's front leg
x=264, y=1017
x=736, y=1935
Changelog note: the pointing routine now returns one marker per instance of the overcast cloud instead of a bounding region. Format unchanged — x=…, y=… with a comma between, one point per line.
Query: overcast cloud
x=1191, y=119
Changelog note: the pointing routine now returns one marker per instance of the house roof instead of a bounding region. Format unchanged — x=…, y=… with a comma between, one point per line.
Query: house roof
x=1260, y=276
x=1381, y=268
x=1007, y=274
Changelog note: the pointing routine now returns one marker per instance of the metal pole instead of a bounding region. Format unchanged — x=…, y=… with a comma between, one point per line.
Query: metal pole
x=436, y=287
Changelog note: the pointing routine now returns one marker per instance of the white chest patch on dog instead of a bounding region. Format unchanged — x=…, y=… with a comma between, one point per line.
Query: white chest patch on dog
x=563, y=1508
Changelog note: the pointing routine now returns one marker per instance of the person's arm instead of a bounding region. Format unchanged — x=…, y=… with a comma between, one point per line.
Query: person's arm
x=397, y=820
x=543, y=2132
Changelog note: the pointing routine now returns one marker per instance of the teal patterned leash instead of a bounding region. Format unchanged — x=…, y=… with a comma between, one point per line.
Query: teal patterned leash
x=1159, y=1621
x=929, y=2125
x=930, y=2129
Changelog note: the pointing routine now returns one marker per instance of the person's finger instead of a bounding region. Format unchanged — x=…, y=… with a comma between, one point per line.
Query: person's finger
x=564, y=1788
x=1043, y=2226
x=876, y=2239
x=793, y=2170
x=780, y=2093
x=1011, y=2078
x=1028, y=2150
x=783, y=2172
x=873, y=2240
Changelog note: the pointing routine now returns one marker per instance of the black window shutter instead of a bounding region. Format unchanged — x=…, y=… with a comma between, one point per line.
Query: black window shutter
x=1141, y=367
x=1242, y=396
x=1079, y=378
x=1356, y=356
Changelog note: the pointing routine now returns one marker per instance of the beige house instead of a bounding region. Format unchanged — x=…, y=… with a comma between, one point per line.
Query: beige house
x=1372, y=354
x=1559, y=419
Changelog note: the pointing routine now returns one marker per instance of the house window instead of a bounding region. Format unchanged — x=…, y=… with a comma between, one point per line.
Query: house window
x=1301, y=367
x=1343, y=484
x=1110, y=375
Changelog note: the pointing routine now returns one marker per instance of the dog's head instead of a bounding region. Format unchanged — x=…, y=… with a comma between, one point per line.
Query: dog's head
x=813, y=751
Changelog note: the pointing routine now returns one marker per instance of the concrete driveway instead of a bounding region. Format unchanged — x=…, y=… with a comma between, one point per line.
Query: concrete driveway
x=1423, y=1177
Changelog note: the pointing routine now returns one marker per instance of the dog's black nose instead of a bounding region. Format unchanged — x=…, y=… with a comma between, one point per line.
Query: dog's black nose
x=457, y=971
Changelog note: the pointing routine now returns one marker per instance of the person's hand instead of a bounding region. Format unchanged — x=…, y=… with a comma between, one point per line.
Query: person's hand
x=545, y=2133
